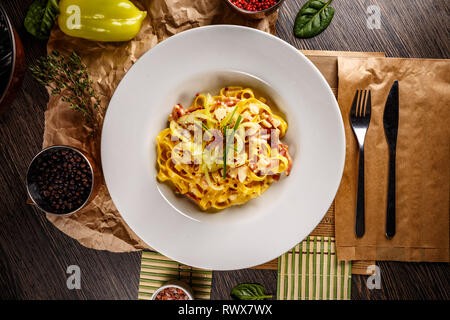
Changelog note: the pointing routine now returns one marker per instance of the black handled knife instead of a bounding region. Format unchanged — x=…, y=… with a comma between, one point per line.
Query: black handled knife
x=390, y=122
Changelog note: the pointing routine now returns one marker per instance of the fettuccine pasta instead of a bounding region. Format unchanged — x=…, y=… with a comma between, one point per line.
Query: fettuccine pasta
x=223, y=150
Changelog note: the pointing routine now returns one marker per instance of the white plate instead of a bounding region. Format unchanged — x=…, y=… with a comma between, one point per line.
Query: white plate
x=201, y=60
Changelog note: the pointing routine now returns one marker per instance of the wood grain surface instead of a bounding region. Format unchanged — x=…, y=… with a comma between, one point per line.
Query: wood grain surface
x=34, y=255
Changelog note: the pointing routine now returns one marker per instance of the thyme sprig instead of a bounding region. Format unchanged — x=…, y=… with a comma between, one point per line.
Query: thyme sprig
x=69, y=78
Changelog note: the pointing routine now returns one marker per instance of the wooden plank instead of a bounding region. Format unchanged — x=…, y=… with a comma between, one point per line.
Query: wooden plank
x=106, y=275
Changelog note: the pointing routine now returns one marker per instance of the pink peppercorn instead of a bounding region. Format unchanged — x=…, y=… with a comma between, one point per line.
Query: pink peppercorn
x=254, y=5
x=172, y=293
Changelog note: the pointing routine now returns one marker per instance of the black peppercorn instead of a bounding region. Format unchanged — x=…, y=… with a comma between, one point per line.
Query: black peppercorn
x=61, y=180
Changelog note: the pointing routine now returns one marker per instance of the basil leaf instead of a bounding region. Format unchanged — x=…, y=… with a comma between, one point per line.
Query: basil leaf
x=40, y=18
x=249, y=291
x=313, y=18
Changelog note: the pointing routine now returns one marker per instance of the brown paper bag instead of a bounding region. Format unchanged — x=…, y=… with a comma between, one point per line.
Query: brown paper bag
x=99, y=225
x=422, y=164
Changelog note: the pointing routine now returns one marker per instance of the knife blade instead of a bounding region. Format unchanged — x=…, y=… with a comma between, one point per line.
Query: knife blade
x=390, y=123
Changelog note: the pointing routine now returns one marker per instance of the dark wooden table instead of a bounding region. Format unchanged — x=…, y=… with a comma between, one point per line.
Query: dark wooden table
x=34, y=255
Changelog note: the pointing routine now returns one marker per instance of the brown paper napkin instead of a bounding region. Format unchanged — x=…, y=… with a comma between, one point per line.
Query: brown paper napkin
x=422, y=163
x=99, y=225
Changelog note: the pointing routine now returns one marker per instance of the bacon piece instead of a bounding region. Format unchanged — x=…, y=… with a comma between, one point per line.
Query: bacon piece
x=230, y=101
x=275, y=122
x=193, y=108
x=178, y=111
x=253, y=167
x=283, y=149
x=192, y=197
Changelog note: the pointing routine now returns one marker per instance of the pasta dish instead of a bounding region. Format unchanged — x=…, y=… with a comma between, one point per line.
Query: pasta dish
x=223, y=150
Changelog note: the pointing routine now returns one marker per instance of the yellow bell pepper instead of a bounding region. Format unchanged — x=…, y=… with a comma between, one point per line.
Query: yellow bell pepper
x=100, y=20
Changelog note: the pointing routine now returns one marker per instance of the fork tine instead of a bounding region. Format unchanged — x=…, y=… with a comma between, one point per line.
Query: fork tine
x=353, y=108
x=360, y=104
x=369, y=105
x=364, y=102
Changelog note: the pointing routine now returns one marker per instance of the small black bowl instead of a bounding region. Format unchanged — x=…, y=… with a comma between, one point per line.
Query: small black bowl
x=254, y=14
x=42, y=162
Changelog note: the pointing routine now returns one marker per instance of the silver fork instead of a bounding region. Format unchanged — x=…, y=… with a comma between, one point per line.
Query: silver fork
x=360, y=119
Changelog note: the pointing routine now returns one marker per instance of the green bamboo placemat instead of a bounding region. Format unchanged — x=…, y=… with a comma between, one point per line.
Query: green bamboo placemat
x=310, y=271
x=157, y=269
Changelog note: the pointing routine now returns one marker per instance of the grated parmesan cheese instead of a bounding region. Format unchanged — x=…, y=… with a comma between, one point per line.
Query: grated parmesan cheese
x=253, y=108
x=220, y=113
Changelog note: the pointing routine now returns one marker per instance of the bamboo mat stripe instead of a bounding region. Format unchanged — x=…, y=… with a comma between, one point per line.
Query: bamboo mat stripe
x=157, y=269
x=311, y=271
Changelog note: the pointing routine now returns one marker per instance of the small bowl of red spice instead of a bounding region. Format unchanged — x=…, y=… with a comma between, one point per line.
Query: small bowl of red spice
x=60, y=180
x=173, y=290
x=254, y=9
